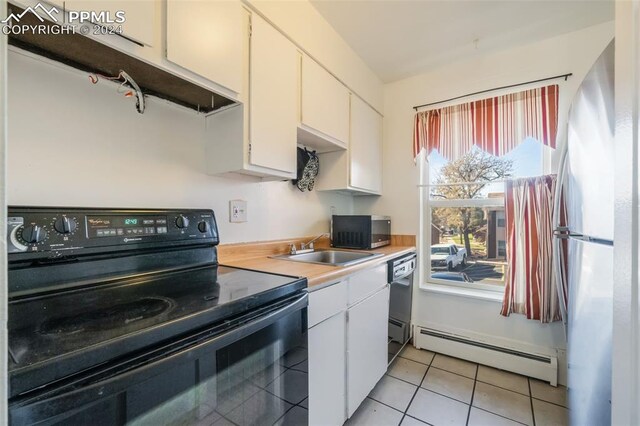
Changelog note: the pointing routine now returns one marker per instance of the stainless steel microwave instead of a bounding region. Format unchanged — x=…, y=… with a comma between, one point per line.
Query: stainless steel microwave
x=360, y=231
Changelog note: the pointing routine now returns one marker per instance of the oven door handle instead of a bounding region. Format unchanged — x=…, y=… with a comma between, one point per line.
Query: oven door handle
x=55, y=404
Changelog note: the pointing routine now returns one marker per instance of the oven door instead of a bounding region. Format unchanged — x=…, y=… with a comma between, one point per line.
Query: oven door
x=250, y=370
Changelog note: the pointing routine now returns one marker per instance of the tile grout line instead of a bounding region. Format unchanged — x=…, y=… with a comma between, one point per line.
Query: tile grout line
x=416, y=391
x=549, y=402
x=405, y=381
x=473, y=392
x=385, y=404
x=284, y=414
x=533, y=415
x=446, y=371
x=510, y=390
x=499, y=415
x=430, y=390
x=446, y=396
x=418, y=420
x=400, y=356
x=457, y=374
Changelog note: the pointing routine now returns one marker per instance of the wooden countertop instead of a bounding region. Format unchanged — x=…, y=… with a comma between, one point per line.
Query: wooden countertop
x=317, y=275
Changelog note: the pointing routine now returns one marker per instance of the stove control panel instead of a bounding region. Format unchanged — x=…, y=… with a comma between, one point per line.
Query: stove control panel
x=44, y=232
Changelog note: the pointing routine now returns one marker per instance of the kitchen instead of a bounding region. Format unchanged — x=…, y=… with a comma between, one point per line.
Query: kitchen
x=194, y=126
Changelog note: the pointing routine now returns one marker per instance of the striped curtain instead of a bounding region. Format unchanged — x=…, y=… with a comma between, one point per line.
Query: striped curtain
x=530, y=284
x=495, y=125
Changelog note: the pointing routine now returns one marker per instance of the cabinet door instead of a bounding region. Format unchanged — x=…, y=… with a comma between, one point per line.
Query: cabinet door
x=324, y=102
x=207, y=38
x=367, y=326
x=327, y=387
x=139, y=15
x=273, y=98
x=365, y=147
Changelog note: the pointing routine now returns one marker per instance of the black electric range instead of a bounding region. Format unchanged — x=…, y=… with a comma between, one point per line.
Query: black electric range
x=104, y=301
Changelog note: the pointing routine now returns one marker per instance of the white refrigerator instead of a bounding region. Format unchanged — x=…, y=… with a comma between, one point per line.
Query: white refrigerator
x=587, y=176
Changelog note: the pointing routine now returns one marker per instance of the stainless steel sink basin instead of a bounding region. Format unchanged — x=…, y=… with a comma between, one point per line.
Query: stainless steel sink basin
x=331, y=257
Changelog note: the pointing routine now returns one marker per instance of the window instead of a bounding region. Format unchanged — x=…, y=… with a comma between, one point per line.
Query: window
x=464, y=204
x=502, y=248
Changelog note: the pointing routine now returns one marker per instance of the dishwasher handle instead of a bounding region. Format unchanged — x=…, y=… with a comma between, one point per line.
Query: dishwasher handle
x=403, y=281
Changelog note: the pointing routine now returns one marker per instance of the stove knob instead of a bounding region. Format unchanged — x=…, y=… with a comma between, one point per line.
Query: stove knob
x=182, y=221
x=33, y=234
x=64, y=225
x=203, y=227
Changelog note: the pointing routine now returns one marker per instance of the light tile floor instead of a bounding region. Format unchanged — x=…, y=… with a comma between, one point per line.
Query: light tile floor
x=421, y=388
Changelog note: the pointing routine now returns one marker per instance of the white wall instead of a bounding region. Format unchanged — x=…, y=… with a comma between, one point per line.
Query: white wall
x=72, y=143
x=574, y=52
x=303, y=23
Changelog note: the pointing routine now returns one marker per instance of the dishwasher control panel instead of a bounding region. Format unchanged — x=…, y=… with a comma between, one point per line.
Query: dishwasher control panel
x=402, y=267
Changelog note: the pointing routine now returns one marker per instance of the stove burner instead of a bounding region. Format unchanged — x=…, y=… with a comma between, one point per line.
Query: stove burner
x=105, y=319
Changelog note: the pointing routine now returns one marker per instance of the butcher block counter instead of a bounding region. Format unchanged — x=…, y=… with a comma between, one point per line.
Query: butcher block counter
x=257, y=256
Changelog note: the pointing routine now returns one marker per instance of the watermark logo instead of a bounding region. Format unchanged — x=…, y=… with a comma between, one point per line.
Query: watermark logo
x=85, y=22
x=47, y=13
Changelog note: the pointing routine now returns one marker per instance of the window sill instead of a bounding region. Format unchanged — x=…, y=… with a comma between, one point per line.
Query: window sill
x=472, y=293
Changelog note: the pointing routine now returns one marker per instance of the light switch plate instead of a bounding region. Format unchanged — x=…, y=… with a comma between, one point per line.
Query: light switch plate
x=237, y=211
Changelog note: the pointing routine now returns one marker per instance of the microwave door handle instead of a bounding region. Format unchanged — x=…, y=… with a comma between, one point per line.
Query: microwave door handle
x=77, y=397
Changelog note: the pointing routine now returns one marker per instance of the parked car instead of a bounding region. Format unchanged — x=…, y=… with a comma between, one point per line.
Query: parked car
x=447, y=256
x=452, y=276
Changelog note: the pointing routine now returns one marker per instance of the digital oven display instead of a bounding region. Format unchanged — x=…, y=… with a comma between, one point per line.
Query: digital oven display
x=122, y=226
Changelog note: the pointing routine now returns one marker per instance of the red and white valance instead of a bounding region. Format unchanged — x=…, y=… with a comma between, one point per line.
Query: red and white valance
x=495, y=125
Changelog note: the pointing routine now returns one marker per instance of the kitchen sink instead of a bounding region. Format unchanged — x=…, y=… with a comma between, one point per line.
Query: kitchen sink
x=331, y=257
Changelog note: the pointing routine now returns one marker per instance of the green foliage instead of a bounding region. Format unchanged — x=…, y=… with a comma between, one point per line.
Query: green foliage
x=478, y=167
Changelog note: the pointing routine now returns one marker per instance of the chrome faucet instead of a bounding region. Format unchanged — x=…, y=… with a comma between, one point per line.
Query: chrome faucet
x=306, y=247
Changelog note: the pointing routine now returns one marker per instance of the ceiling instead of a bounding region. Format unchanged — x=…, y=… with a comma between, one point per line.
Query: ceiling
x=399, y=38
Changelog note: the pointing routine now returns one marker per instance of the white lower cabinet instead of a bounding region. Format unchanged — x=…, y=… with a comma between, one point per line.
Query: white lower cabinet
x=367, y=331
x=347, y=344
x=327, y=372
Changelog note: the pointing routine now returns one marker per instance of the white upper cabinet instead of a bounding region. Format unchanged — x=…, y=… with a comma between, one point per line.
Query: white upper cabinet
x=273, y=94
x=359, y=169
x=259, y=137
x=208, y=38
x=324, y=109
x=365, y=147
x=139, y=15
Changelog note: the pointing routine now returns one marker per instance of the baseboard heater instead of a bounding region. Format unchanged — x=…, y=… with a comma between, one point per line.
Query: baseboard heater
x=539, y=366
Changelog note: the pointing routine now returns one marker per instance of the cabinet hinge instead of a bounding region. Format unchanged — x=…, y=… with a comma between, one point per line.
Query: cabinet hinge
x=249, y=151
x=250, y=29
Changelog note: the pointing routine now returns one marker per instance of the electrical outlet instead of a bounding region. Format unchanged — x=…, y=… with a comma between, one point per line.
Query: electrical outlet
x=237, y=211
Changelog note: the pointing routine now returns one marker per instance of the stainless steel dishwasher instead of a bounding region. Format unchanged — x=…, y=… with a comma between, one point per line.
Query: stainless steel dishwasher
x=401, y=272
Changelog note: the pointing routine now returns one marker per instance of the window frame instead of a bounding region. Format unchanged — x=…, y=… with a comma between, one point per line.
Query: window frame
x=481, y=291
